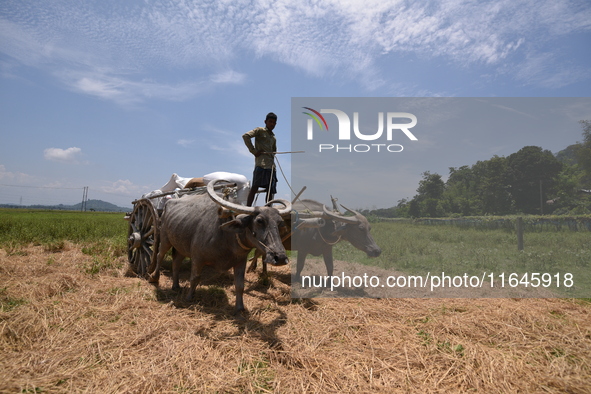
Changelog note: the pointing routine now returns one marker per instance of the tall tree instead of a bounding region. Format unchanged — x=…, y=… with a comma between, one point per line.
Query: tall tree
x=492, y=188
x=530, y=176
x=431, y=186
x=583, y=153
x=429, y=197
x=460, y=197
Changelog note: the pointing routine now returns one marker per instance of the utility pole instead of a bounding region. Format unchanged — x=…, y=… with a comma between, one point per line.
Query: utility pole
x=541, y=199
x=84, y=199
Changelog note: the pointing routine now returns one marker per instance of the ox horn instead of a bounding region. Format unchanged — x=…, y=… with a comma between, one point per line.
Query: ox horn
x=310, y=214
x=340, y=218
x=351, y=210
x=227, y=204
x=286, y=206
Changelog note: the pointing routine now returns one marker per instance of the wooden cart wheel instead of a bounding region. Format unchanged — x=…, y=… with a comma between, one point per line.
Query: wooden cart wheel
x=143, y=238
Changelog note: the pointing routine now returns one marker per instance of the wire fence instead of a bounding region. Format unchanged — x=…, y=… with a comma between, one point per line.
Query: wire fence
x=531, y=223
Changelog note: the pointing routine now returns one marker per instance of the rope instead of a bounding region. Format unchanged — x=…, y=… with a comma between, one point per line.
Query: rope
x=252, y=240
x=241, y=244
x=256, y=242
x=308, y=208
x=290, y=188
x=333, y=243
x=298, y=198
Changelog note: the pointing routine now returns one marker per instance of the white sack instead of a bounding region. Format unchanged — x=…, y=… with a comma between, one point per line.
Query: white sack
x=242, y=184
x=175, y=182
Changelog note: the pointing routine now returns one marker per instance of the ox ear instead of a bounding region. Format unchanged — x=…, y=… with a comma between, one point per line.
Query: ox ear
x=237, y=225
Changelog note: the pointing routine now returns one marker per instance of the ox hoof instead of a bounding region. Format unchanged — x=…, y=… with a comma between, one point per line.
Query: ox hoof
x=240, y=314
x=189, y=296
x=154, y=278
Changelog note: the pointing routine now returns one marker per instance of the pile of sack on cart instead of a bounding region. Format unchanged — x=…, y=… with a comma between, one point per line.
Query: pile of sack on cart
x=178, y=183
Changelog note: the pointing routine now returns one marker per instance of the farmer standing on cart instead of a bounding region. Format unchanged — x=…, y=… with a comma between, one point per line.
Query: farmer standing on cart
x=265, y=145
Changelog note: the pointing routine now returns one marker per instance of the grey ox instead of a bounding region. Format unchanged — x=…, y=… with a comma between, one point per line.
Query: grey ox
x=319, y=240
x=194, y=227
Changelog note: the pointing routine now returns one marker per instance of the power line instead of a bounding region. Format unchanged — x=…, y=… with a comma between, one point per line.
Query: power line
x=44, y=187
x=113, y=193
x=39, y=195
x=10, y=194
x=67, y=188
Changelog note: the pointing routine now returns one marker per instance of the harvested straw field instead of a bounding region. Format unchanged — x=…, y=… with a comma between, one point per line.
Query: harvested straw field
x=67, y=327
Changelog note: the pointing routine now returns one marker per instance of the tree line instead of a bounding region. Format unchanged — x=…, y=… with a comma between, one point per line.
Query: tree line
x=530, y=181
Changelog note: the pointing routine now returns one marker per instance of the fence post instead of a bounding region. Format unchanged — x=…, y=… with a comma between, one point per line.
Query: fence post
x=520, y=233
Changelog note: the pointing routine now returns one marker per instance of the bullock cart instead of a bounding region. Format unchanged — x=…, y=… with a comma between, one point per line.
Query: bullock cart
x=143, y=235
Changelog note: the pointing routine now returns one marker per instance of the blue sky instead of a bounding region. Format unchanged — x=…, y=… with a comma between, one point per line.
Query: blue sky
x=118, y=95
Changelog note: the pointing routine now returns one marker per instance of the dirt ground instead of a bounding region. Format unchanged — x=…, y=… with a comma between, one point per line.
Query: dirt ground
x=64, y=329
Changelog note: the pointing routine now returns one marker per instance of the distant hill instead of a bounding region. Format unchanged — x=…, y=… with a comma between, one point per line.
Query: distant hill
x=91, y=205
x=567, y=155
x=99, y=205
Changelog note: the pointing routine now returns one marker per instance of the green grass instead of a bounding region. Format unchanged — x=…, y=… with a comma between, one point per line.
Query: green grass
x=8, y=303
x=101, y=235
x=418, y=249
x=407, y=247
x=49, y=228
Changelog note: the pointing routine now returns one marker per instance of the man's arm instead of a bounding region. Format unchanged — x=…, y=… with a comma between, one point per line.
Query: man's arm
x=247, y=141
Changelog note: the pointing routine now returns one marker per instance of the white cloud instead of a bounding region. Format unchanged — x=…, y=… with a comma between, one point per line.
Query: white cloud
x=9, y=176
x=208, y=128
x=233, y=148
x=124, y=90
x=230, y=76
x=4, y=174
x=123, y=186
x=110, y=89
x=546, y=70
x=185, y=143
x=67, y=156
x=106, y=48
x=221, y=140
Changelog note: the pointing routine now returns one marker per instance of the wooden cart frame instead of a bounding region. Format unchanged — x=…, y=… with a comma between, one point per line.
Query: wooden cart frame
x=143, y=235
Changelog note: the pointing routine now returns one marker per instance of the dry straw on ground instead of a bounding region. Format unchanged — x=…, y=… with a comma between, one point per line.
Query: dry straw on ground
x=63, y=329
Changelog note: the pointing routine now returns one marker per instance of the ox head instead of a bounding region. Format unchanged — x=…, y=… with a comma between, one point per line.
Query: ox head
x=355, y=229
x=260, y=225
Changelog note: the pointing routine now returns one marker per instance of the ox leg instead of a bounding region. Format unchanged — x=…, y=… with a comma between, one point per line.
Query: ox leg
x=239, y=271
x=300, y=264
x=328, y=261
x=253, y=263
x=196, y=268
x=177, y=259
x=164, y=247
x=264, y=269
